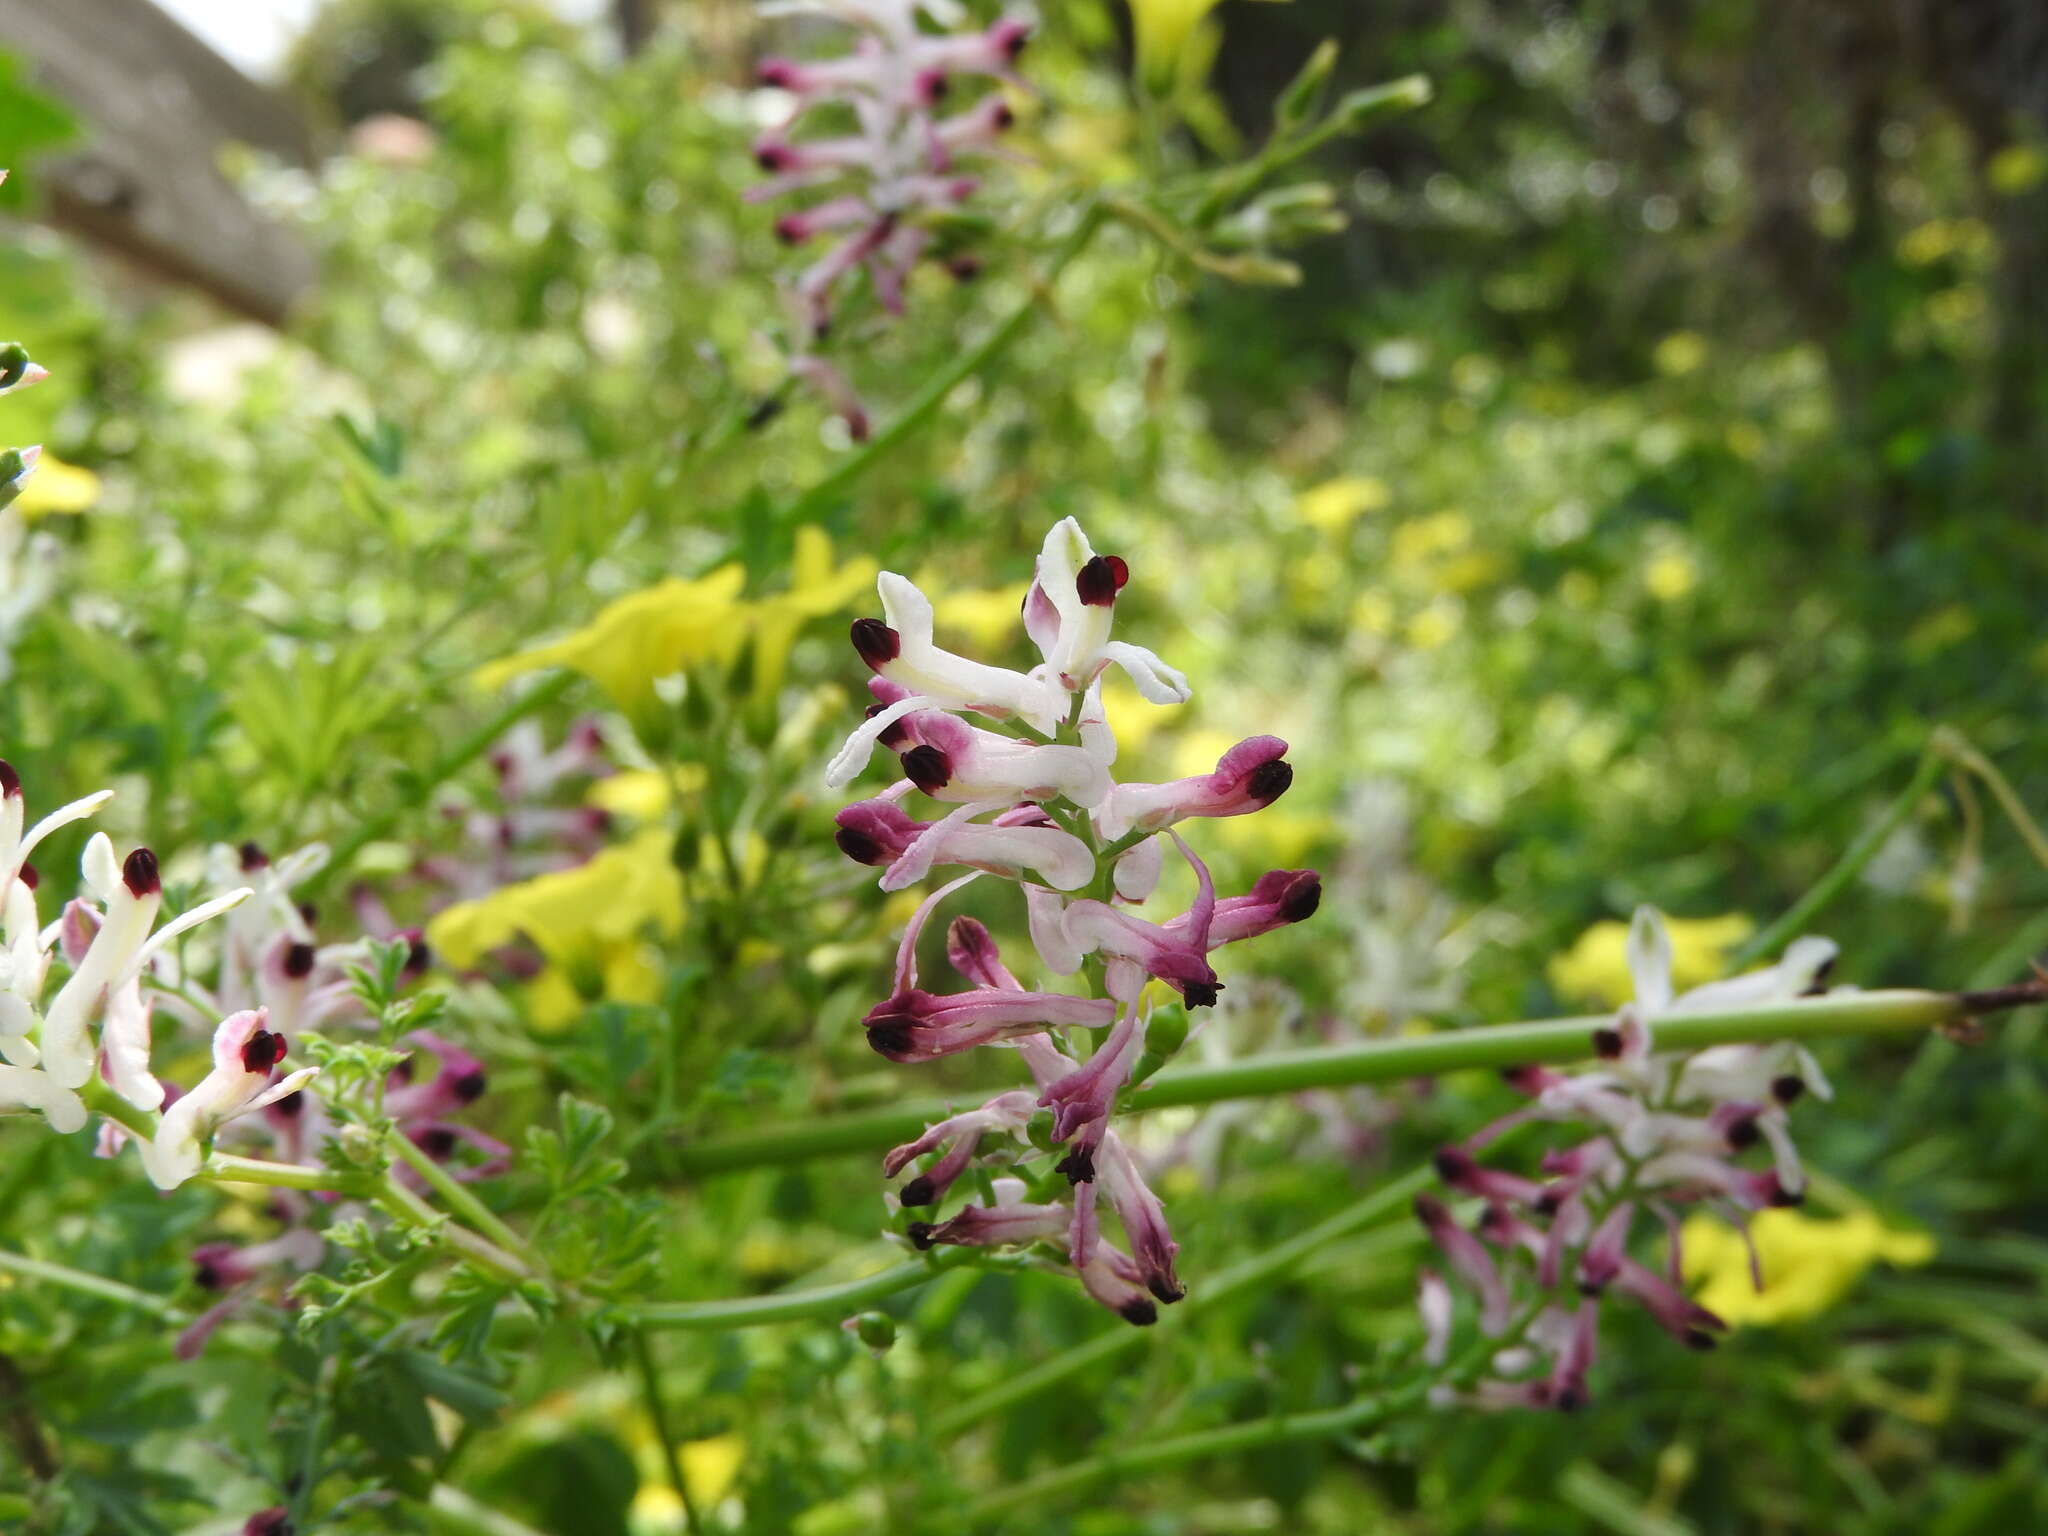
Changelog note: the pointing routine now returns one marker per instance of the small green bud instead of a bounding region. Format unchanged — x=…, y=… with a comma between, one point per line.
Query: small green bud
x=1362, y=108
x=358, y=1145
x=877, y=1330
x=13, y=364
x=1297, y=103
x=1168, y=1031
x=1038, y=1130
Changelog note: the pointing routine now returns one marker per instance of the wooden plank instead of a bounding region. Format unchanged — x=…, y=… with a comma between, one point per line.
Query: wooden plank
x=157, y=107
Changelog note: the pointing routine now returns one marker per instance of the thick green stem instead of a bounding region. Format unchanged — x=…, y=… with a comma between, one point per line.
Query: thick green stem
x=464, y=1203
x=790, y=1306
x=1551, y=1042
x=925, y=403
x=89, y=1285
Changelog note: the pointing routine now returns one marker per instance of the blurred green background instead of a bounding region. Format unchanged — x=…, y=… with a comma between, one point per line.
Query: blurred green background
x=1609, y=515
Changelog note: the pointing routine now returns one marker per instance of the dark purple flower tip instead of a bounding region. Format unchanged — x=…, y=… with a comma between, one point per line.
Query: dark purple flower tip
x=275, y=1521
x=1166, y=1288
x=1269, y=781
x=1548, y=1203
x=1787, y=1089
x=964, y=269
x=858, y=427
x=877, y=643
x=792, y=229
x=298, y=961
x=1101, y=579
x=253, y=857
x=1782, y=1197
x=1304, y=893
x=262, y=1051
x=895, y=735
x=919, y=1191
x=1607, y=1044
x=1820, y=978
x=1001, y=117
x=1200, y=994
x=438, y=1142
x=858, y=846
x=920, y=1234
x=205, y=1275
x=418, y=955
x=1010, y=35
x=1569, y=1399
x=772, y=155
x=1592, y=1288
x=930, y=87
x=780, y=73
x=891, y=1038
x=469, y=1087
x=1742, y=1132
x=139, y=874
x=928, y=768
x=1699, y=1338
x=29, y=876
x=1078, y=1165
x=1453, y=1164
x=1431, y=1212
x=10, y=781
x=309, y=912
x=1139, y=1312
x=290, y=1107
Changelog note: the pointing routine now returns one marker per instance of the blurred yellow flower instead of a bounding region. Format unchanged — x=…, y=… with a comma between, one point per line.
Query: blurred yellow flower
x=817, y=588
x=57, y=487
x=984, y=620
x=1809, y=1263
x=641, y=637
x=1422, y=539
x=1670, y=575
x=1373, y=613
x=709, y=1468
x=1595, y=969
x=2016, y=168
x=1164, y=30
x=1680, y=353
x=1436, y=626
x=572, y=915
x=640, y=794
x=624, y=972
x=1335, y=504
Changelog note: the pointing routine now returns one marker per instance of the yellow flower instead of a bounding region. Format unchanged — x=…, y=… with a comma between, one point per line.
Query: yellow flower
x=1165, y=31
x=643, y=636
x=57, y=487
x=641, y=794
x=572, y=915
x=985, y=619
x=1679, y=353
x=1670, y=575
x=624, y=972
x=1595, y=969
x=1809, y=1263
x=816, y=588
x=1335, y=504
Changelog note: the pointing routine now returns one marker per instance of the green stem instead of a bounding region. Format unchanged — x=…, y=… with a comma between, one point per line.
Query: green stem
x=1230, y=1440
x=789, y=1306
x=925, y=403
x=225, y=1168
x=1849, y=865
x=1388, y=1200
x=1550, y=1042
x=1954, y=746
x=450, y=763
x=657, y=1410
x=89, y=1285
x=464, y=1203
x=412, y=1211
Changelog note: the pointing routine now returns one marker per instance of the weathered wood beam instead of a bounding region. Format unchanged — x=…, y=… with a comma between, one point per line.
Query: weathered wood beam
x=157, y=107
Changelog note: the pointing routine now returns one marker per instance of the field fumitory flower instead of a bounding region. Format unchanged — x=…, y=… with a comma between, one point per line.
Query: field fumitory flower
x=892, y=185
x=1665, y=1134
x=1028, y=796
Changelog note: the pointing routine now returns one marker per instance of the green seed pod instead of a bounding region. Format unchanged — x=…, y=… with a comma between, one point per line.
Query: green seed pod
x=877, y=1330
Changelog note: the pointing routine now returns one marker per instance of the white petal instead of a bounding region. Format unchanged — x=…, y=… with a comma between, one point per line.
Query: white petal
x=283, y=1088
x=63, y=816
x=916, y=861
x=1155, y=681
x=204, y=912
x=850, y=759
x=1047, y=917
x=101, y=870
x=1649, y=959
x=1138, y=871
x=26, y=1088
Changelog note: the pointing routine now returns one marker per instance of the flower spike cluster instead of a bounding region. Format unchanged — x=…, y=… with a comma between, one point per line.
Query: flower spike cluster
x=1665, y=1133
x=1028, y=796
x=897, y=175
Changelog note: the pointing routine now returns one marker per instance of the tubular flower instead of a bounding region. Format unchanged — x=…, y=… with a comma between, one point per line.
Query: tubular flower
x=1033, y=803
x=1664, y=1134
x=889, y=193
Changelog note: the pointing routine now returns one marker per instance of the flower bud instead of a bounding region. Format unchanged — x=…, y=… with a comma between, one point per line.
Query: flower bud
x=877, y=1330
x=1362, y=108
